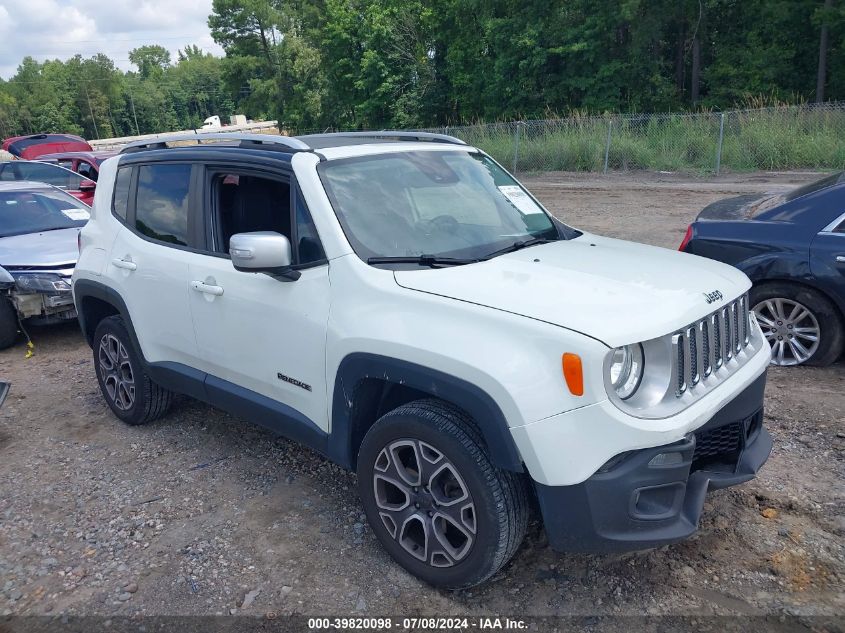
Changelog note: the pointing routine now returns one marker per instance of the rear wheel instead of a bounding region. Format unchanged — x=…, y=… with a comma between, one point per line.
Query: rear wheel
x=802, y=326
x=434, y=500
x=8, y=323
x=129, y=391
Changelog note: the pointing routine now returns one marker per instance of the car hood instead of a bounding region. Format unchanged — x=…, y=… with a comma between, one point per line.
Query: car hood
x=57, y=249
x=615, y=291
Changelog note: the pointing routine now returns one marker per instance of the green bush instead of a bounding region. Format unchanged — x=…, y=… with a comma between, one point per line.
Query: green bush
x=770, y=138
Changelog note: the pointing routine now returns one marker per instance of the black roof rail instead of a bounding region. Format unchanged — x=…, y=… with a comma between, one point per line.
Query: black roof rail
x=335, y=139
x=244, y=139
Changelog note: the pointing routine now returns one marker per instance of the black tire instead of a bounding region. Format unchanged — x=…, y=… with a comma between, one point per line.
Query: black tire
x=8, y=323
x=149, y=401
x=496, y=501
x=831, y=332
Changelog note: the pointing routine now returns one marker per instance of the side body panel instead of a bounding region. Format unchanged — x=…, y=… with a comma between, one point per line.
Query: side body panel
x=266, y=335
x=827, y=263
x=156, y=295
x=97, y=236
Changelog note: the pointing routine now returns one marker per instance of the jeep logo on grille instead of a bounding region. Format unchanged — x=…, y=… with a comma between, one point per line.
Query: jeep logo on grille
x=711, y=297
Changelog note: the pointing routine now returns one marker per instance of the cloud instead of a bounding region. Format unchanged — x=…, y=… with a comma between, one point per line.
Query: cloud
x=50, y=29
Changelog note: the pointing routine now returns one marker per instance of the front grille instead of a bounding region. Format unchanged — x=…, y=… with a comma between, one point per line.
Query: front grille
x=723, y=444
x=704, y=347
x=719, y=441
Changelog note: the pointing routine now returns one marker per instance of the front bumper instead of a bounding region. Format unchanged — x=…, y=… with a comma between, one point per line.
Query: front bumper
x=44, y=307
x=635, y=503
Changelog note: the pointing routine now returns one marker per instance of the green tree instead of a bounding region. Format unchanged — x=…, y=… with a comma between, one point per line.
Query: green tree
x=150, y=60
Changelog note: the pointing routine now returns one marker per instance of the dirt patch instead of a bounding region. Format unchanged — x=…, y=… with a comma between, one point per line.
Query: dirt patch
x=195, y=512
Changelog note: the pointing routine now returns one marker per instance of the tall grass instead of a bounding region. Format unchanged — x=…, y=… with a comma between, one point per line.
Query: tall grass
x=782, y=137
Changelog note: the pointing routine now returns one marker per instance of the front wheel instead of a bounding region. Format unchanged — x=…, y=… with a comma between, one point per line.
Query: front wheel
x=438, y=505
x=802, y=326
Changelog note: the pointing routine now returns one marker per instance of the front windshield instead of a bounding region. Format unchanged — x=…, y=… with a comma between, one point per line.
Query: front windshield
x=452, y=204
x=23, y=212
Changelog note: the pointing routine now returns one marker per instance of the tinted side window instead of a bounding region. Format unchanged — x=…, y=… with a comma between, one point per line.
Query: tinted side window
x=308, y=244
x=247, y=203
x=121, y=192
x=161, y=205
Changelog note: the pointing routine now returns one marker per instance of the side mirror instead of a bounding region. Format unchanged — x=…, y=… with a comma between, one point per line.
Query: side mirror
x=87, y=185
x=263, y=252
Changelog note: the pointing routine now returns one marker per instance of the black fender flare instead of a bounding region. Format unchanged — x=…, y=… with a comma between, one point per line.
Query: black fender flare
x=84, y=288
x=475, y=401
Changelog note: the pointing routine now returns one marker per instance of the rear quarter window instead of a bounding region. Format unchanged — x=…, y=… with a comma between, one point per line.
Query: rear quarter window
x=161, y=203
x=120, y=201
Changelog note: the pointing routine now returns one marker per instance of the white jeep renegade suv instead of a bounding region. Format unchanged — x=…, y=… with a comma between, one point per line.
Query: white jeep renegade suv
x=401, y=304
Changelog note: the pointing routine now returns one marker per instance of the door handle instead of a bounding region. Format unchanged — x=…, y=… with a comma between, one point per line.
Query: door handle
x=124, y=264
x=840, y=259
x=201, y=286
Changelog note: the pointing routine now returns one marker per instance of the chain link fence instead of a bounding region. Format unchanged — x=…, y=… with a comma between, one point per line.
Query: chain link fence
x=785, y=137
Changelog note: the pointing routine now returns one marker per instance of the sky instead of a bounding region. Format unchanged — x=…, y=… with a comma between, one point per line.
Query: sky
x=50, y=29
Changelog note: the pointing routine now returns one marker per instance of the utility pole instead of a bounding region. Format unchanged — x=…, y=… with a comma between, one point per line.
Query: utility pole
x=821, y=75
x=134, y=116
x=91, y=110
x=719, y=146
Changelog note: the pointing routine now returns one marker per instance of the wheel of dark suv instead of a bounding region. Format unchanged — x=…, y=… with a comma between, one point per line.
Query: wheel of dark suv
x=802, y=326
x=433, y=498
x=128, y=390
x=8, y=323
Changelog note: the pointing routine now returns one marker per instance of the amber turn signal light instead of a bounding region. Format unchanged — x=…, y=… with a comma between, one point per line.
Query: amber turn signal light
x=573, y=373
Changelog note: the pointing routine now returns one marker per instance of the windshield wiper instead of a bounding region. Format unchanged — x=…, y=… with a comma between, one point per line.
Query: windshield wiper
x=423, y=260
x=516, y=246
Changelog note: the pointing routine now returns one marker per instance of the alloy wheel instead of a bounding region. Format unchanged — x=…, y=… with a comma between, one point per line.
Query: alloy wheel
x=424, y=503
x=791, y=328
x=116, y=372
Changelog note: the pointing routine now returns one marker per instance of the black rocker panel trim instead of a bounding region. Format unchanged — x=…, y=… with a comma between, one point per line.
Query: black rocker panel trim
x=244, y=403
x=269, y=413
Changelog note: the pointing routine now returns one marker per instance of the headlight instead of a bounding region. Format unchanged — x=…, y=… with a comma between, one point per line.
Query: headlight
x=40, y=282
x=626, y=370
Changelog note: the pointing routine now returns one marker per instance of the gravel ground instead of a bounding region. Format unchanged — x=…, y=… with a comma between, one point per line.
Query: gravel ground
x=202, y=513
